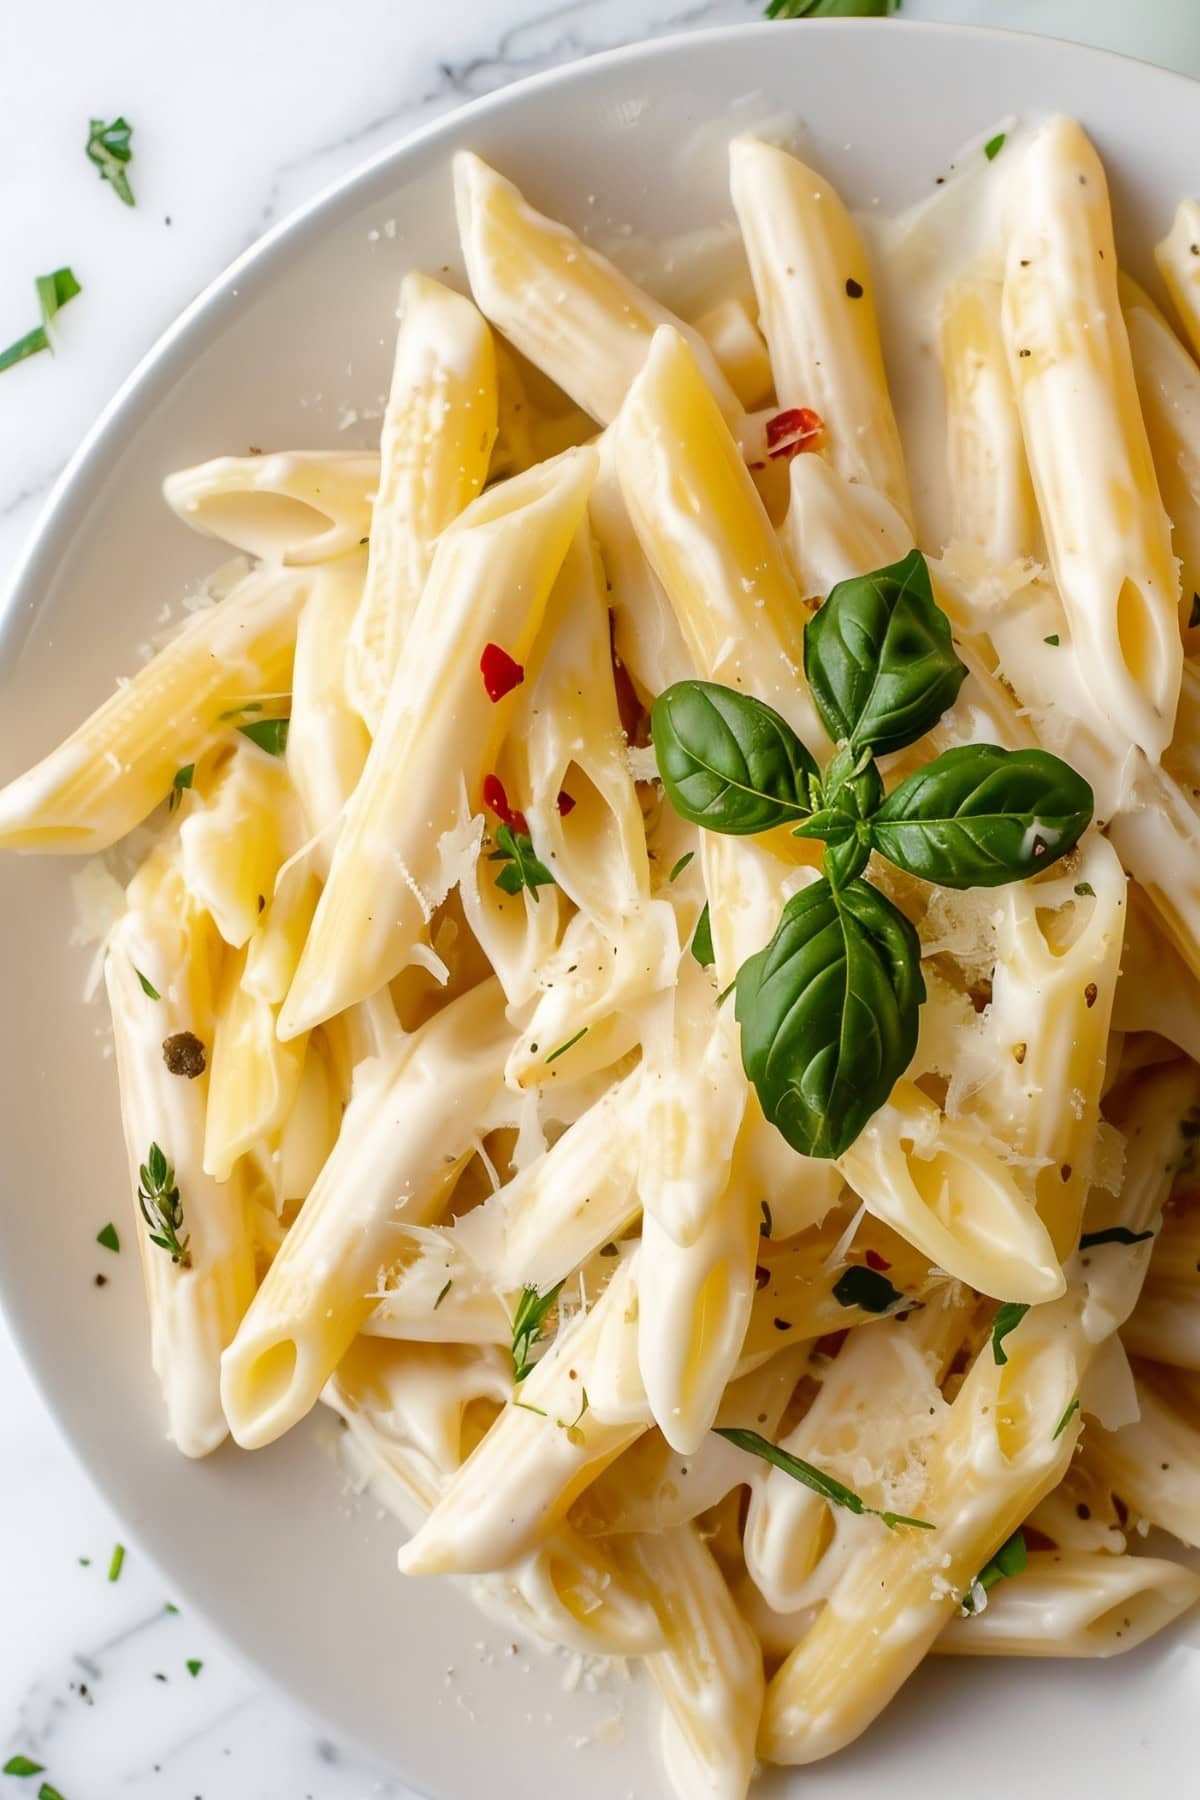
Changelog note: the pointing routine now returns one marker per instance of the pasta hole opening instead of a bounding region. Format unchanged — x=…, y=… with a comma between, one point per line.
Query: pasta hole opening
x=1137, y=635
x=269, y=1378
x=265, y=524
x=478, y=1417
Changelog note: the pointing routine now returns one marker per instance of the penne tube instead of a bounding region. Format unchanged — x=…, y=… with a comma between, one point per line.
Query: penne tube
x=1168, y=384
x=836, y=528
x=405, y=1133
x=1071, y=1604
x=999, y=1447
x=518, y=934
x=568, y=1203
x=1084, y=435
x=533, y=1464
x=435, y=446
x=436, y=1293
x=1045, y=1036
x=1157, y=991
x=254, y=1080
x=565, y=307
x=652, y=1487
x=740, y=349
x=709, y=1675
x=991, y=494
x=693, y=1312
x=1164, y=1326
x=1154, y=1463
x=878, y=1403
x=113, y=771
x=327, y=742
x=694, y=1098
x=594, y=991
x=1177, y=261
x=939, y=1184
x=234, y=842
x=295, y=507
x=575, y=783
x=195, y=1302
x=311, y=1128
x=1156, y=1113
x=1080, y=1514
x=645, y=634
x=570, y=1594
x=706, y=536
x=815, y=298
x=488, y=587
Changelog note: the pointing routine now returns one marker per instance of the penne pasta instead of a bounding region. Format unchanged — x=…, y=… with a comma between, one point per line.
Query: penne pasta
x=294, y=508
x=814, y=288
x=435, y=446
x=1176, y=264
x=564, y=306
x=1084, y=434
x=489, y=584
x=404, y=1136
x=121, y=763
x=197, y=1293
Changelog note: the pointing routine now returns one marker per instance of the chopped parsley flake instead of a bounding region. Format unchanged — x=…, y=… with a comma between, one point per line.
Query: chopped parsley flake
x=108, y=146
x=570, y=1043
x=1006, y=1320
x=528, y=1324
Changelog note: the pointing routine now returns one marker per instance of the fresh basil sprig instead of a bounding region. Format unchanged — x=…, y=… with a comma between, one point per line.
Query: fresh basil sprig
x=829, y=1009
x=829, y=1013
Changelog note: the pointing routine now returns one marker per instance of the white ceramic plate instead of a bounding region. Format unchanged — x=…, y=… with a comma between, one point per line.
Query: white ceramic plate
x=271, y=1547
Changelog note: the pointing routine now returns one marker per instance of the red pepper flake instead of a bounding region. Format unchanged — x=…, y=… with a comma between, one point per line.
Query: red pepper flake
x=790, y=432
x=495, y=797
x=831, y=1343
x=566, y=804
x=875, y=1261
x=500, y=673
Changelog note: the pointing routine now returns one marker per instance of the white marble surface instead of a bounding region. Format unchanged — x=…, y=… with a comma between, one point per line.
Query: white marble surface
x=242, y=109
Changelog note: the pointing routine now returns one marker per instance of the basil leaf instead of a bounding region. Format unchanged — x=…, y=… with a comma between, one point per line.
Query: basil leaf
x=879, y=658
x=844, y=861
x=702, y=944
x=728, y=762
x=866, y=1288
x=828, y=1013
x=981, y=816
